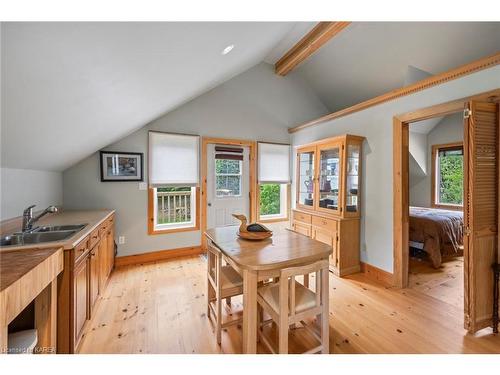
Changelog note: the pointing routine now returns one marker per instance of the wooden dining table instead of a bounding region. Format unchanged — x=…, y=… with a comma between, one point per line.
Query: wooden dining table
x=261, y=260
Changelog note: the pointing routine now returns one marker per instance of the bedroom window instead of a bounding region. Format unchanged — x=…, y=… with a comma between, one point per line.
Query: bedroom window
x=448, y=175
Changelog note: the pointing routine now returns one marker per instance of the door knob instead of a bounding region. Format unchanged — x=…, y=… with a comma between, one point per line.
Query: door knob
x=209, y=204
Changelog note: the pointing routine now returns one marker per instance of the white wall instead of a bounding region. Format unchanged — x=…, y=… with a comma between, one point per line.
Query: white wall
x=375, y=124
x=450, y=129
x=418, y=151
x=21, y=188
x=256, y=105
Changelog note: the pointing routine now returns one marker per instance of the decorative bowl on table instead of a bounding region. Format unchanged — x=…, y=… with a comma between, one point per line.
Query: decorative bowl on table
x=253, y=231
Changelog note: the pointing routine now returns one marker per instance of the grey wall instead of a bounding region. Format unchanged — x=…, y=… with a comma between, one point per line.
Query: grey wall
x=256, y=105
x=375, y=124
x=21, y=188
x=449, y=129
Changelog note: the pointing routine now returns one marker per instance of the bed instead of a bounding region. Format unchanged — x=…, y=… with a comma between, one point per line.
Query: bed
x=436, y=231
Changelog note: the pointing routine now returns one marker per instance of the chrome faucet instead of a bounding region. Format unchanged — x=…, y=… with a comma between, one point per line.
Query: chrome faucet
x=29, y=220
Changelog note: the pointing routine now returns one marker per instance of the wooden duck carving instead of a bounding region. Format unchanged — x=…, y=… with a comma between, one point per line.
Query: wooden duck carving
x=253, y=231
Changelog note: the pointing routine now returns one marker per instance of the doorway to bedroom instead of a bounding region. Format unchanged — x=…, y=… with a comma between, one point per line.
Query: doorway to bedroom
x=435, y=190
x=480, y=161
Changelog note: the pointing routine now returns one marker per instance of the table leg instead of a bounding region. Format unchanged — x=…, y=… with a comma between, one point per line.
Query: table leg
x=3, y=326
x=46, y=319
x=249, y=312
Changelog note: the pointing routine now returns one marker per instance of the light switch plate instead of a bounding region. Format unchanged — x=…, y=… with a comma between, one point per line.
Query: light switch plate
x=121, y=240
x=143, y=186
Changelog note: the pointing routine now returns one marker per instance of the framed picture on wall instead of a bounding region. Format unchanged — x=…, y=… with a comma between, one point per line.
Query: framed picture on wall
x=121, y=166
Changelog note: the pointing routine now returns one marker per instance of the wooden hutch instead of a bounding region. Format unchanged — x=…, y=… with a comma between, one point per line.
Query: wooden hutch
x=328, y=198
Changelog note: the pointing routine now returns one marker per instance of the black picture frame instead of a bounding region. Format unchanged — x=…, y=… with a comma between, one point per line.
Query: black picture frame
x=138, y=177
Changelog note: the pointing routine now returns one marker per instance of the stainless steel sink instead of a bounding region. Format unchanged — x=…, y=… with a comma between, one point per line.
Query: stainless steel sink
x=35, y=237
x=42, y=234
x=58, y=228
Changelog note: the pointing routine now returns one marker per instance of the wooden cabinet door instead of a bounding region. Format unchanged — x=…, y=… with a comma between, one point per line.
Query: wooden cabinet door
x=330, y=177
x=80, y=298
x=95, y=271
x=110, y=251
x=330, y=238
x=302, y=228
x=306, y=178
x=480, y=211
x=103, y=261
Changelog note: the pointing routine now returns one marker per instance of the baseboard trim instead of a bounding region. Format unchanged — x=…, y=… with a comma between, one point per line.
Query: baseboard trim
x=376, y=274
x=157, y=256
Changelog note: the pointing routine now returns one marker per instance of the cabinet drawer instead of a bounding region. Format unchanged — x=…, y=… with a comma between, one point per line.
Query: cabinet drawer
x=300, y=216
x=81, y=249
x=302, y=228
x=327, y=224
x=94, y=237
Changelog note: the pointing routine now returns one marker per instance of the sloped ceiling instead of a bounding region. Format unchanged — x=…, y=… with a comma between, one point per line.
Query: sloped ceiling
x=370, y=58
x=69, y=89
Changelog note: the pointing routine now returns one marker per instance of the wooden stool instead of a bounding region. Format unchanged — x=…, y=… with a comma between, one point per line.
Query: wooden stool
x=223, y=282
x=288, y=302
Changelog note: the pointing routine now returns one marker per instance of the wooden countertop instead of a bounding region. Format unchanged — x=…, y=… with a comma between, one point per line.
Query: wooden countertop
x=284, y=249
x=93, y=218
x=14, y=264
x=24, y=274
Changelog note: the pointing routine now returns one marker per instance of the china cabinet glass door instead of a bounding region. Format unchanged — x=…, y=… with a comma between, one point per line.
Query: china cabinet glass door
x=352, y=179
x=306, y=172
x=330, y=177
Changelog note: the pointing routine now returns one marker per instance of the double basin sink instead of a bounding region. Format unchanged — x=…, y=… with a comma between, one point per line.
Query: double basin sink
x=42, y=234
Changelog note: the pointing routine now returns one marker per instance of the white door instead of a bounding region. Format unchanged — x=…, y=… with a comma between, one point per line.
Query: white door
x=228, y=182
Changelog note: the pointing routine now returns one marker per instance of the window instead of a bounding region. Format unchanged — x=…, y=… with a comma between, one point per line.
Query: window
x=448, y=175
x=274, y=181
x=173, y=182
x=228, y=178
x=273, y=201
x=174, y=207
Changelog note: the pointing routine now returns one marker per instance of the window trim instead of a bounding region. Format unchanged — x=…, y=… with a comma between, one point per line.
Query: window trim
x=151, y=220
x=288, y=204
x=434, y=170
x=240, y=175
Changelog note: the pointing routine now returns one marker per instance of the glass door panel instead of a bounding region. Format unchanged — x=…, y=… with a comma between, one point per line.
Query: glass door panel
x=306, y=178
x=329, y=178
x=352, y=178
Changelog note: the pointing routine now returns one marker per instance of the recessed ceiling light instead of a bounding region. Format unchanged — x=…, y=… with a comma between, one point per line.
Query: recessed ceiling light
x=228, y=49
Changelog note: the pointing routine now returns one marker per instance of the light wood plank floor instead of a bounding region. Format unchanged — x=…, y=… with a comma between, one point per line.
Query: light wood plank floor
x=161, y=308
x=445, y=283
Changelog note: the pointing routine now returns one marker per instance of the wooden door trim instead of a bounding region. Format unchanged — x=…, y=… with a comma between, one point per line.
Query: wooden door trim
x=472, y=67
x=252, y=145
x=401, y=172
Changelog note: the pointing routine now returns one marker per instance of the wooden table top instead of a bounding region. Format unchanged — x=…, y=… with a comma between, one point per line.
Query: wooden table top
x=14, y=264
x=284, y=249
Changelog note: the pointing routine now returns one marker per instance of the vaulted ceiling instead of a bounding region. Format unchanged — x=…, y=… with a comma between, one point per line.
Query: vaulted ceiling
x=368, y=59
x=69, y=89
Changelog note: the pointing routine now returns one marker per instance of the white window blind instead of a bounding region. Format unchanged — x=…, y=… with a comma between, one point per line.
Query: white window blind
x=274, y=163
x=173, y=159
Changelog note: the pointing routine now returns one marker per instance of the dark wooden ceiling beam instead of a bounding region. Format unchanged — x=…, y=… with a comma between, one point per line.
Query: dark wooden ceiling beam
x=310, y=43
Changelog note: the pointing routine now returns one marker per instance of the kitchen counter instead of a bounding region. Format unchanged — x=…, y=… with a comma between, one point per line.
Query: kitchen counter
x=93, y=218
x=28, y=275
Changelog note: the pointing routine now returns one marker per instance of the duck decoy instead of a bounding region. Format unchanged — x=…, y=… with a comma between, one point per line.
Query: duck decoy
x=253, y=231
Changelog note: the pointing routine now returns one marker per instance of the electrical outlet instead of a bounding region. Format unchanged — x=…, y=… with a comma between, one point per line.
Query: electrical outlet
x=121, y=240
x=143, y=186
